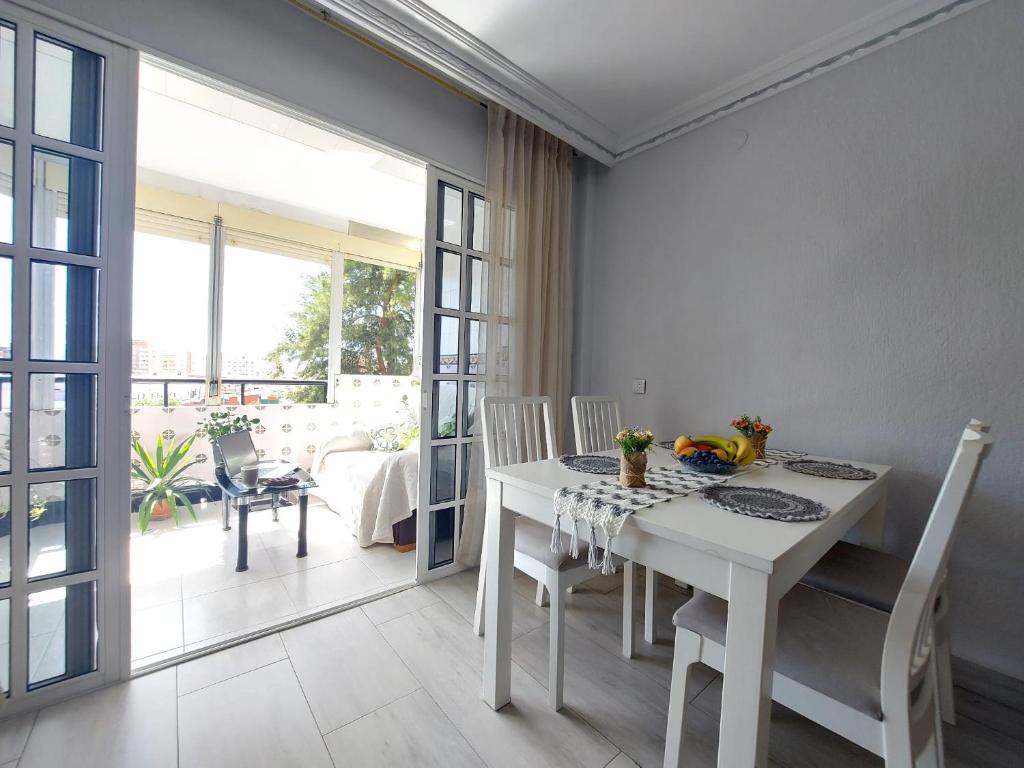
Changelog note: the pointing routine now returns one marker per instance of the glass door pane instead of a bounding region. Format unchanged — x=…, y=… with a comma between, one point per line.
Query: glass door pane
x=61, y=286
x=457, y=268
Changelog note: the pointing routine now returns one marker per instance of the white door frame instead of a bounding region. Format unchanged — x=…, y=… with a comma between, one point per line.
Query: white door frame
x=429, y=311
x=112, y=425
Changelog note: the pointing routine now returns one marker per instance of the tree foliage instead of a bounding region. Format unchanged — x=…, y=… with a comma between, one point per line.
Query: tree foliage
x=378, y=320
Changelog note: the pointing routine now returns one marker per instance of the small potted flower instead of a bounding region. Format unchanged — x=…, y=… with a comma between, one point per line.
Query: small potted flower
x=635, y=443
x=756, y=430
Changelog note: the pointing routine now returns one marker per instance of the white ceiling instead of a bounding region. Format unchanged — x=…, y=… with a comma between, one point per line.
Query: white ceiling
x=613, y=76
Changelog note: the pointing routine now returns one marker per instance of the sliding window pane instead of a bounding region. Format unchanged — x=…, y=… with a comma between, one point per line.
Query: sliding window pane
x=471, y=403
x=442, y=479
x=476, y=299
x=62, y=420
x=7, y=40
x=62, y=633
x=68, y=93
x=65, y=203
x=5, y=541
x=445, y=396
x=442, y=537
x=480, y=224
x=449, y=224
x=6, y=192
x=6, y=302
x=449, y=279
x=179, y=268
x=61, y=528
x=5, y=422
x=476, y=347
x=63, y=310
x=446, y=344
x=287, y=337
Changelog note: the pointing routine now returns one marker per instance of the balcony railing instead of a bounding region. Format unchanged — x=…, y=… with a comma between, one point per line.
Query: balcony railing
x=189, y=391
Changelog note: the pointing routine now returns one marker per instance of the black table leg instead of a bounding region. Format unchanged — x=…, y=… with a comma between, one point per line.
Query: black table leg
x=303, y=502
x=243, y=536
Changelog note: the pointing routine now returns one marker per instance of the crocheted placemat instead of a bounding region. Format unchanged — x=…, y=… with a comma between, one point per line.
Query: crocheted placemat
x=592, y=463
x=764, y=502
x=830, y=469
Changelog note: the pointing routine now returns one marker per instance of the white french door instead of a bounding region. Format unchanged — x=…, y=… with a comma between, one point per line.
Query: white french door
x=67, y=149
x=456, y=293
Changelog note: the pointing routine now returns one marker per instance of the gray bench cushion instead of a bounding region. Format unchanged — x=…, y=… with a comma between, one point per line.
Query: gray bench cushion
x=534, y=539
x=858, y=573
x=824, y=642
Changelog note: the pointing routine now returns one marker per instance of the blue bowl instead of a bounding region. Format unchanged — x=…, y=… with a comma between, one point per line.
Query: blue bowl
x=703, y=461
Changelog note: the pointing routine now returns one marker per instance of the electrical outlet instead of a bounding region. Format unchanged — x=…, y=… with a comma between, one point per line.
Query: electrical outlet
x=639, y=386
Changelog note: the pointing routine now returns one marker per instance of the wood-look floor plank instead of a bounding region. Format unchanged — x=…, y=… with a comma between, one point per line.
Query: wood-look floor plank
x=439, y=646
x=410, y=731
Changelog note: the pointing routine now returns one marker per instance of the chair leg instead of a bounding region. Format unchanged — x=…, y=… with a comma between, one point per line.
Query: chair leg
x=478, y=614
x=686, y=654
x=940, y=754
x=628, y=608
x=650, y=601
x=943, y=661
x=556, y=645
x=540, y=594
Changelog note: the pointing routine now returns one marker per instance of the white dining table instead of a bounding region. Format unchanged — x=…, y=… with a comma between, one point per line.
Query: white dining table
x=750, y=562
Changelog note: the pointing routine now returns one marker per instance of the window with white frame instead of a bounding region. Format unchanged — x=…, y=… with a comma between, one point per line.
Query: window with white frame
x=272, y=256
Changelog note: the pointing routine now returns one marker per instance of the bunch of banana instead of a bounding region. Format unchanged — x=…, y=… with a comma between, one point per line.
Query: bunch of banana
x=735, y=450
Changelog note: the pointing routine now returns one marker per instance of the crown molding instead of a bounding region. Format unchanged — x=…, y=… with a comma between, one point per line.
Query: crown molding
x=418, y=32
x=886, y=26
x=426, y=38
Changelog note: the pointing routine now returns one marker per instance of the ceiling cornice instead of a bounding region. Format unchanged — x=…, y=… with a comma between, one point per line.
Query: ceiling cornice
x=429, y=39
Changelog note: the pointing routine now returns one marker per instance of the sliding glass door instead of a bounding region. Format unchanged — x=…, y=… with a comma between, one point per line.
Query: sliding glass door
x=66, y=143
x=456, y=280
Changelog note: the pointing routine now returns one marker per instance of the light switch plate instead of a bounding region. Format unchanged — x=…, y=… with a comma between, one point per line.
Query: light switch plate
x=639, y=386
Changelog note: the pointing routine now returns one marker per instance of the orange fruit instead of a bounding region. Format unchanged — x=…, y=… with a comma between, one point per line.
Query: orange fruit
x=682, y=442
x=721, y=454
x=688, y=451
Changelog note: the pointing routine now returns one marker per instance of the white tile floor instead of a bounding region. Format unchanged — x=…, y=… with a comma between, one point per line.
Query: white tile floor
x=397, y=683
x=186, y=593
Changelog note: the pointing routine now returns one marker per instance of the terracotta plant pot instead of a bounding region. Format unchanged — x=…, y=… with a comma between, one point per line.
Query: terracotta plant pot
x=759, y=442
x=161, y=511
x=632, y=468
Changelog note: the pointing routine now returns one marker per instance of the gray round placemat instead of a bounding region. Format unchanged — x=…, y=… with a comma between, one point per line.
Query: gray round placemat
x=592, y=463
x=764, y=502
x=829, y=469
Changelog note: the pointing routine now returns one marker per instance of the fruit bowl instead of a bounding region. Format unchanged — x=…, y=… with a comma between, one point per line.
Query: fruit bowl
x=705, y=461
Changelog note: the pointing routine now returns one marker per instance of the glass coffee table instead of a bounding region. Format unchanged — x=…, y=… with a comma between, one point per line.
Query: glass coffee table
x=243, y=496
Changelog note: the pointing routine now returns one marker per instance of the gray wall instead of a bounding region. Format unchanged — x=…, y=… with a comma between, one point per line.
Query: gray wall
x=275, y=49
x=846, y=259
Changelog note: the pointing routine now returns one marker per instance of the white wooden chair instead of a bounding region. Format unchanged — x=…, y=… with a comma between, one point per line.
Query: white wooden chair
x=874, y=578
x=867, y=675
x=516, y=430
x=596, y=420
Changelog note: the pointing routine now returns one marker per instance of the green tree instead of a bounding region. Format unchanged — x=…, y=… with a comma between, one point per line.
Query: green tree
x=378, y=320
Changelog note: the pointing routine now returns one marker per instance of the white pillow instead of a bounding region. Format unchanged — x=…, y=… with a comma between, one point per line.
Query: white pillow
x=356, y=440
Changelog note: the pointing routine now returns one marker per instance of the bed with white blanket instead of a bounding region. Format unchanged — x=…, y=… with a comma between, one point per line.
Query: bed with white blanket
x=372, y=489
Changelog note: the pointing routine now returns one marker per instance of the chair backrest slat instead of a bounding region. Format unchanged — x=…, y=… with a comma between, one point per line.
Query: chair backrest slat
x=517, y=430
x=595, y=420
x=907, y=688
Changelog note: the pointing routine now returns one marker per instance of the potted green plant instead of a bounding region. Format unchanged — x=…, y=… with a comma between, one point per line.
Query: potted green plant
x=224, y=423
x=161, y=480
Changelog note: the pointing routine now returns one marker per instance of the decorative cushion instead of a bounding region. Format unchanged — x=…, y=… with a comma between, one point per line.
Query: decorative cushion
x=824, y=642
x=386, y=438
x=859, y=573
x=356, y=440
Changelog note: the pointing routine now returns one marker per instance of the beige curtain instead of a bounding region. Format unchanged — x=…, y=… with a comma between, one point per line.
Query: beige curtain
x=529, y=347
